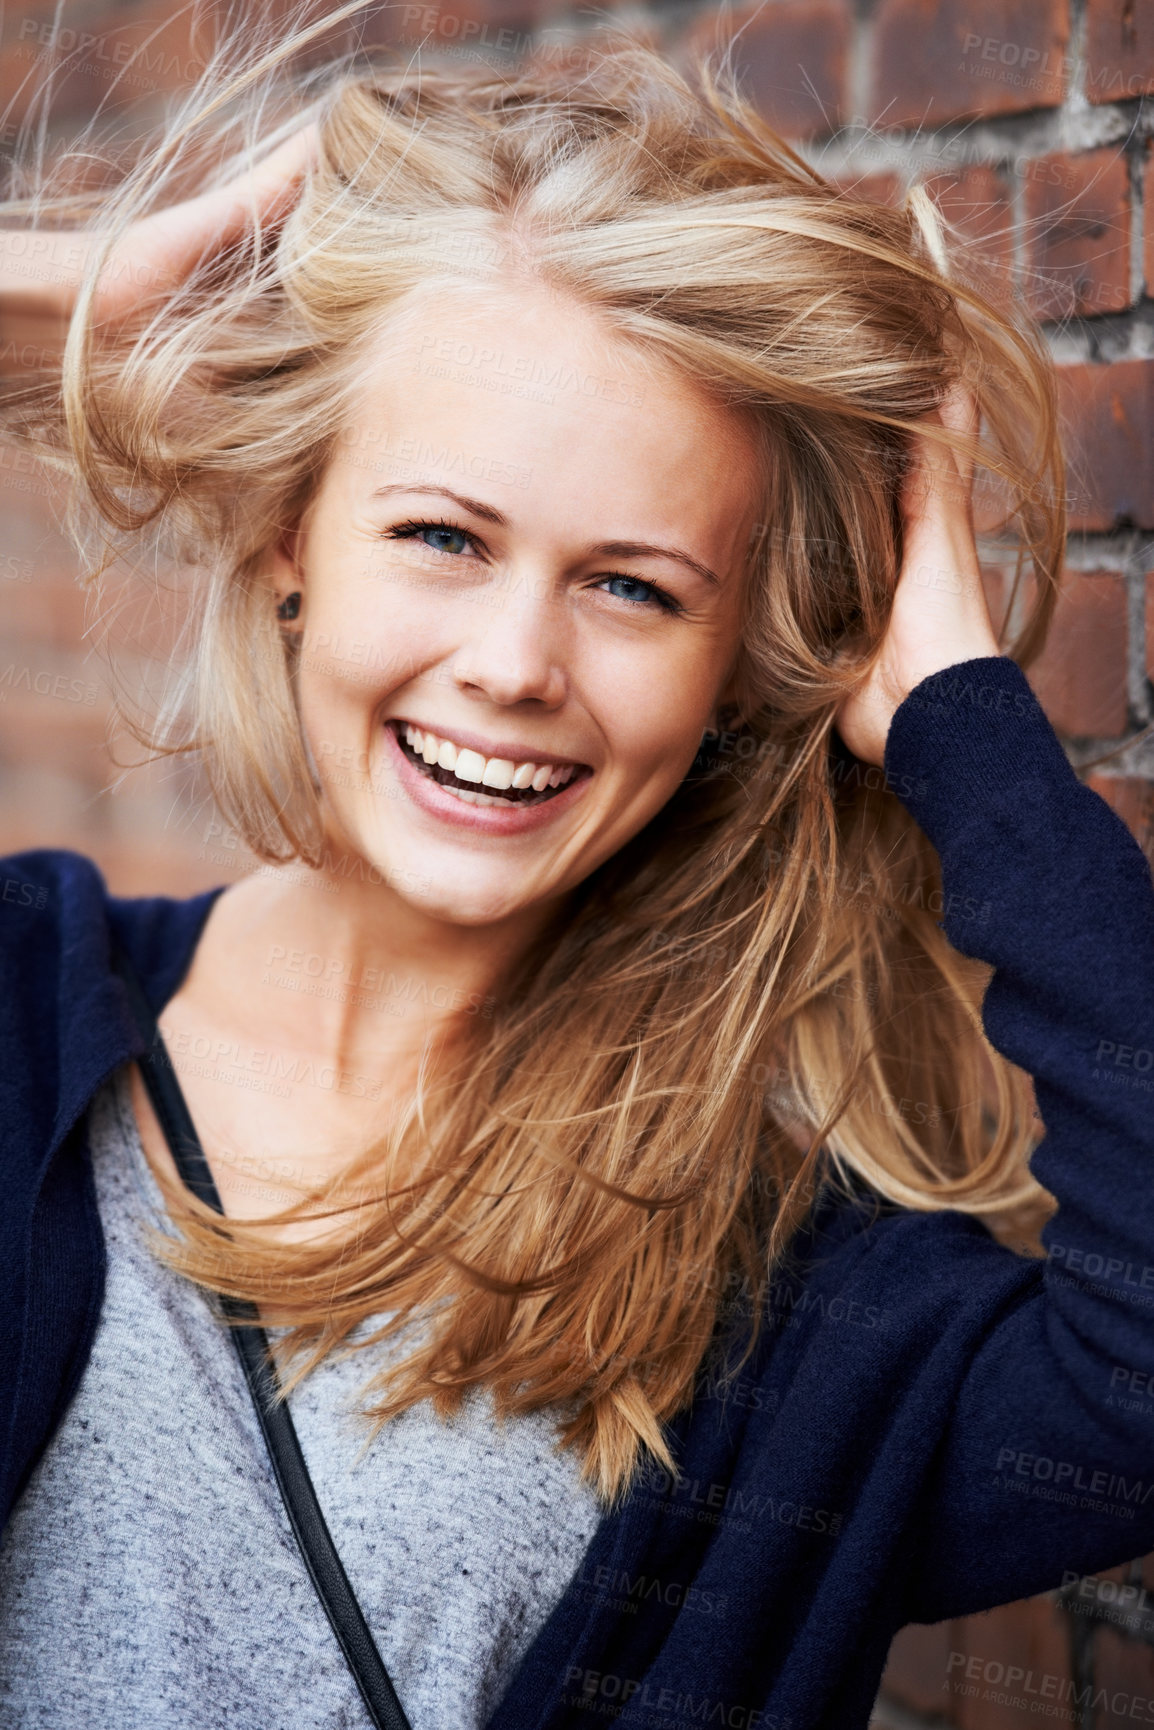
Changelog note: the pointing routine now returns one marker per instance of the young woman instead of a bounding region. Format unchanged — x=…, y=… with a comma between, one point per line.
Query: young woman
x=590, y=637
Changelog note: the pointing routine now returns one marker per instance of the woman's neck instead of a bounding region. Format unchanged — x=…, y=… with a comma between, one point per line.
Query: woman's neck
x=348, y=969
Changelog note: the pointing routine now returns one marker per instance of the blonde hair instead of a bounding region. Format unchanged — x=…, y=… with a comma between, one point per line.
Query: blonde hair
x=739, y=1006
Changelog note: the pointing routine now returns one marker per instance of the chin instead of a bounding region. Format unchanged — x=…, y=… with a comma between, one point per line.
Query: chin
x=455, y=903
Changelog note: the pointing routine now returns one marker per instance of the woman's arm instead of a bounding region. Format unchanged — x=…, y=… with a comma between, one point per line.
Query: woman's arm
x=1047, y=1463
x=1048, y=1460
x=939, y=615
x=41, y=272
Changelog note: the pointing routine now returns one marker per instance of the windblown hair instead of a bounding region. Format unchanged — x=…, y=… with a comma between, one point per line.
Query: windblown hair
x=748, y=1002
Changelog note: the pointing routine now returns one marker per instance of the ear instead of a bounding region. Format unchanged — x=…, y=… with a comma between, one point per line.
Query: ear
x=285, y=575
x=728, y=702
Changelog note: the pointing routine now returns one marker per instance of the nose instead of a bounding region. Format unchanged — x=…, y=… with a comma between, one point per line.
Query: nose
x=515, y=650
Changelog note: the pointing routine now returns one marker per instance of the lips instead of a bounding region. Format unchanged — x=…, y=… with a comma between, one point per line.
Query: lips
x=479, y=780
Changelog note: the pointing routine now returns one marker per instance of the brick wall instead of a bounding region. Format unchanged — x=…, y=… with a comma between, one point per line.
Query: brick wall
x=1027, y=119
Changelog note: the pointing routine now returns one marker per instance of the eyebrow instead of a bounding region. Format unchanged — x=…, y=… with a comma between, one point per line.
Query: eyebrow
x=604, y=549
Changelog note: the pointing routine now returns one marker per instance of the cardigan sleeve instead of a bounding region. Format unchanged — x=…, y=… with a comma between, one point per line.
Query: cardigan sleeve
x=1046, y=1463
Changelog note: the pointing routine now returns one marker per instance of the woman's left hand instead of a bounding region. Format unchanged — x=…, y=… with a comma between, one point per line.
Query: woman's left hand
x=940, y=616
x=159, y=251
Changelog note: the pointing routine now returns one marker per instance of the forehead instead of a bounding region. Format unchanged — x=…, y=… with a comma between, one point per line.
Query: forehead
x=528, y=388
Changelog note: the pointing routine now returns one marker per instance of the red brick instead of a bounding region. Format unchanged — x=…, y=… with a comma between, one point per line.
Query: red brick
x=485, y=27
x=1108, y=422
x=136, y=866
x=1078, y=234
x=45, y=807
x=52, y=710
x=1125, y=1669
x=975, y=201
x=939, y=60
x=99, y=55
x=1133, y=800
x=144, y=619
x=791, y=58
x=871, y=188
x=918, y=1666
x=32, y=341
x=38, y=606
x=23, y=484
x=1030, y=1634
x=139, y=867
x=1119, y=49
x=1080, y=677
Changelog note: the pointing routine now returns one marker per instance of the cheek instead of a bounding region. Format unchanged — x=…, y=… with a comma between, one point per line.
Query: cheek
x=365, y=640
x=656, y=737
x=657, y=706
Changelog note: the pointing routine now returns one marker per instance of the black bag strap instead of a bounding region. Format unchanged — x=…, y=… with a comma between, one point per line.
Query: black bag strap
x=288, y=1462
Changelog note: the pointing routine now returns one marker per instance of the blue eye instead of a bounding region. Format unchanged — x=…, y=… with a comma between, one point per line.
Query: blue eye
x=445, y=540
x=440, y=537
x=640, y=593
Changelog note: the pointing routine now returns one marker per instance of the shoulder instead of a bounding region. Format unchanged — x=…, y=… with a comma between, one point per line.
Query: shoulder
x=900, y=1286
x=48, y=900
x=40, y=879
x=64, y=1022
x=56, y=907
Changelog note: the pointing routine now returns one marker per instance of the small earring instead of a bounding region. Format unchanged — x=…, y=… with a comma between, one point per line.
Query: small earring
x=290, y=607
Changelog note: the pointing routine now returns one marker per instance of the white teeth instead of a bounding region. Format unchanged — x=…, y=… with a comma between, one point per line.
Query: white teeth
x=475, y=798
x=498, y=772
x=470, y=765
x=501, y=773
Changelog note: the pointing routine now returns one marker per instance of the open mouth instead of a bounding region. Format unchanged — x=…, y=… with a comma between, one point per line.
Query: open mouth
x=478, y=780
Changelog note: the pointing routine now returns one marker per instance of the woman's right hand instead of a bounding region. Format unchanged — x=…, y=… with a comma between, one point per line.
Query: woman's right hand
x=155, y=253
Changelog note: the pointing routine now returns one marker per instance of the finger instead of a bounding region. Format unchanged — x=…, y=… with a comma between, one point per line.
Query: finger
x=276, y=181
x=941, y=476
x=166, y=245
x=257, y=195
x=959, y=410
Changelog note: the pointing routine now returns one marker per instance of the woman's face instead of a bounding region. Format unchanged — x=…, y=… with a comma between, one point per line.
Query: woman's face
x=521, y=583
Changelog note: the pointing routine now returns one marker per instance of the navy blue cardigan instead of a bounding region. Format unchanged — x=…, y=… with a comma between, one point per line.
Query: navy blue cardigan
x=932, y=1425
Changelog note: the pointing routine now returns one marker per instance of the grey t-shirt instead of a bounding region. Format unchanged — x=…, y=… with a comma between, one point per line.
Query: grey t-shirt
x=149, y=1578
